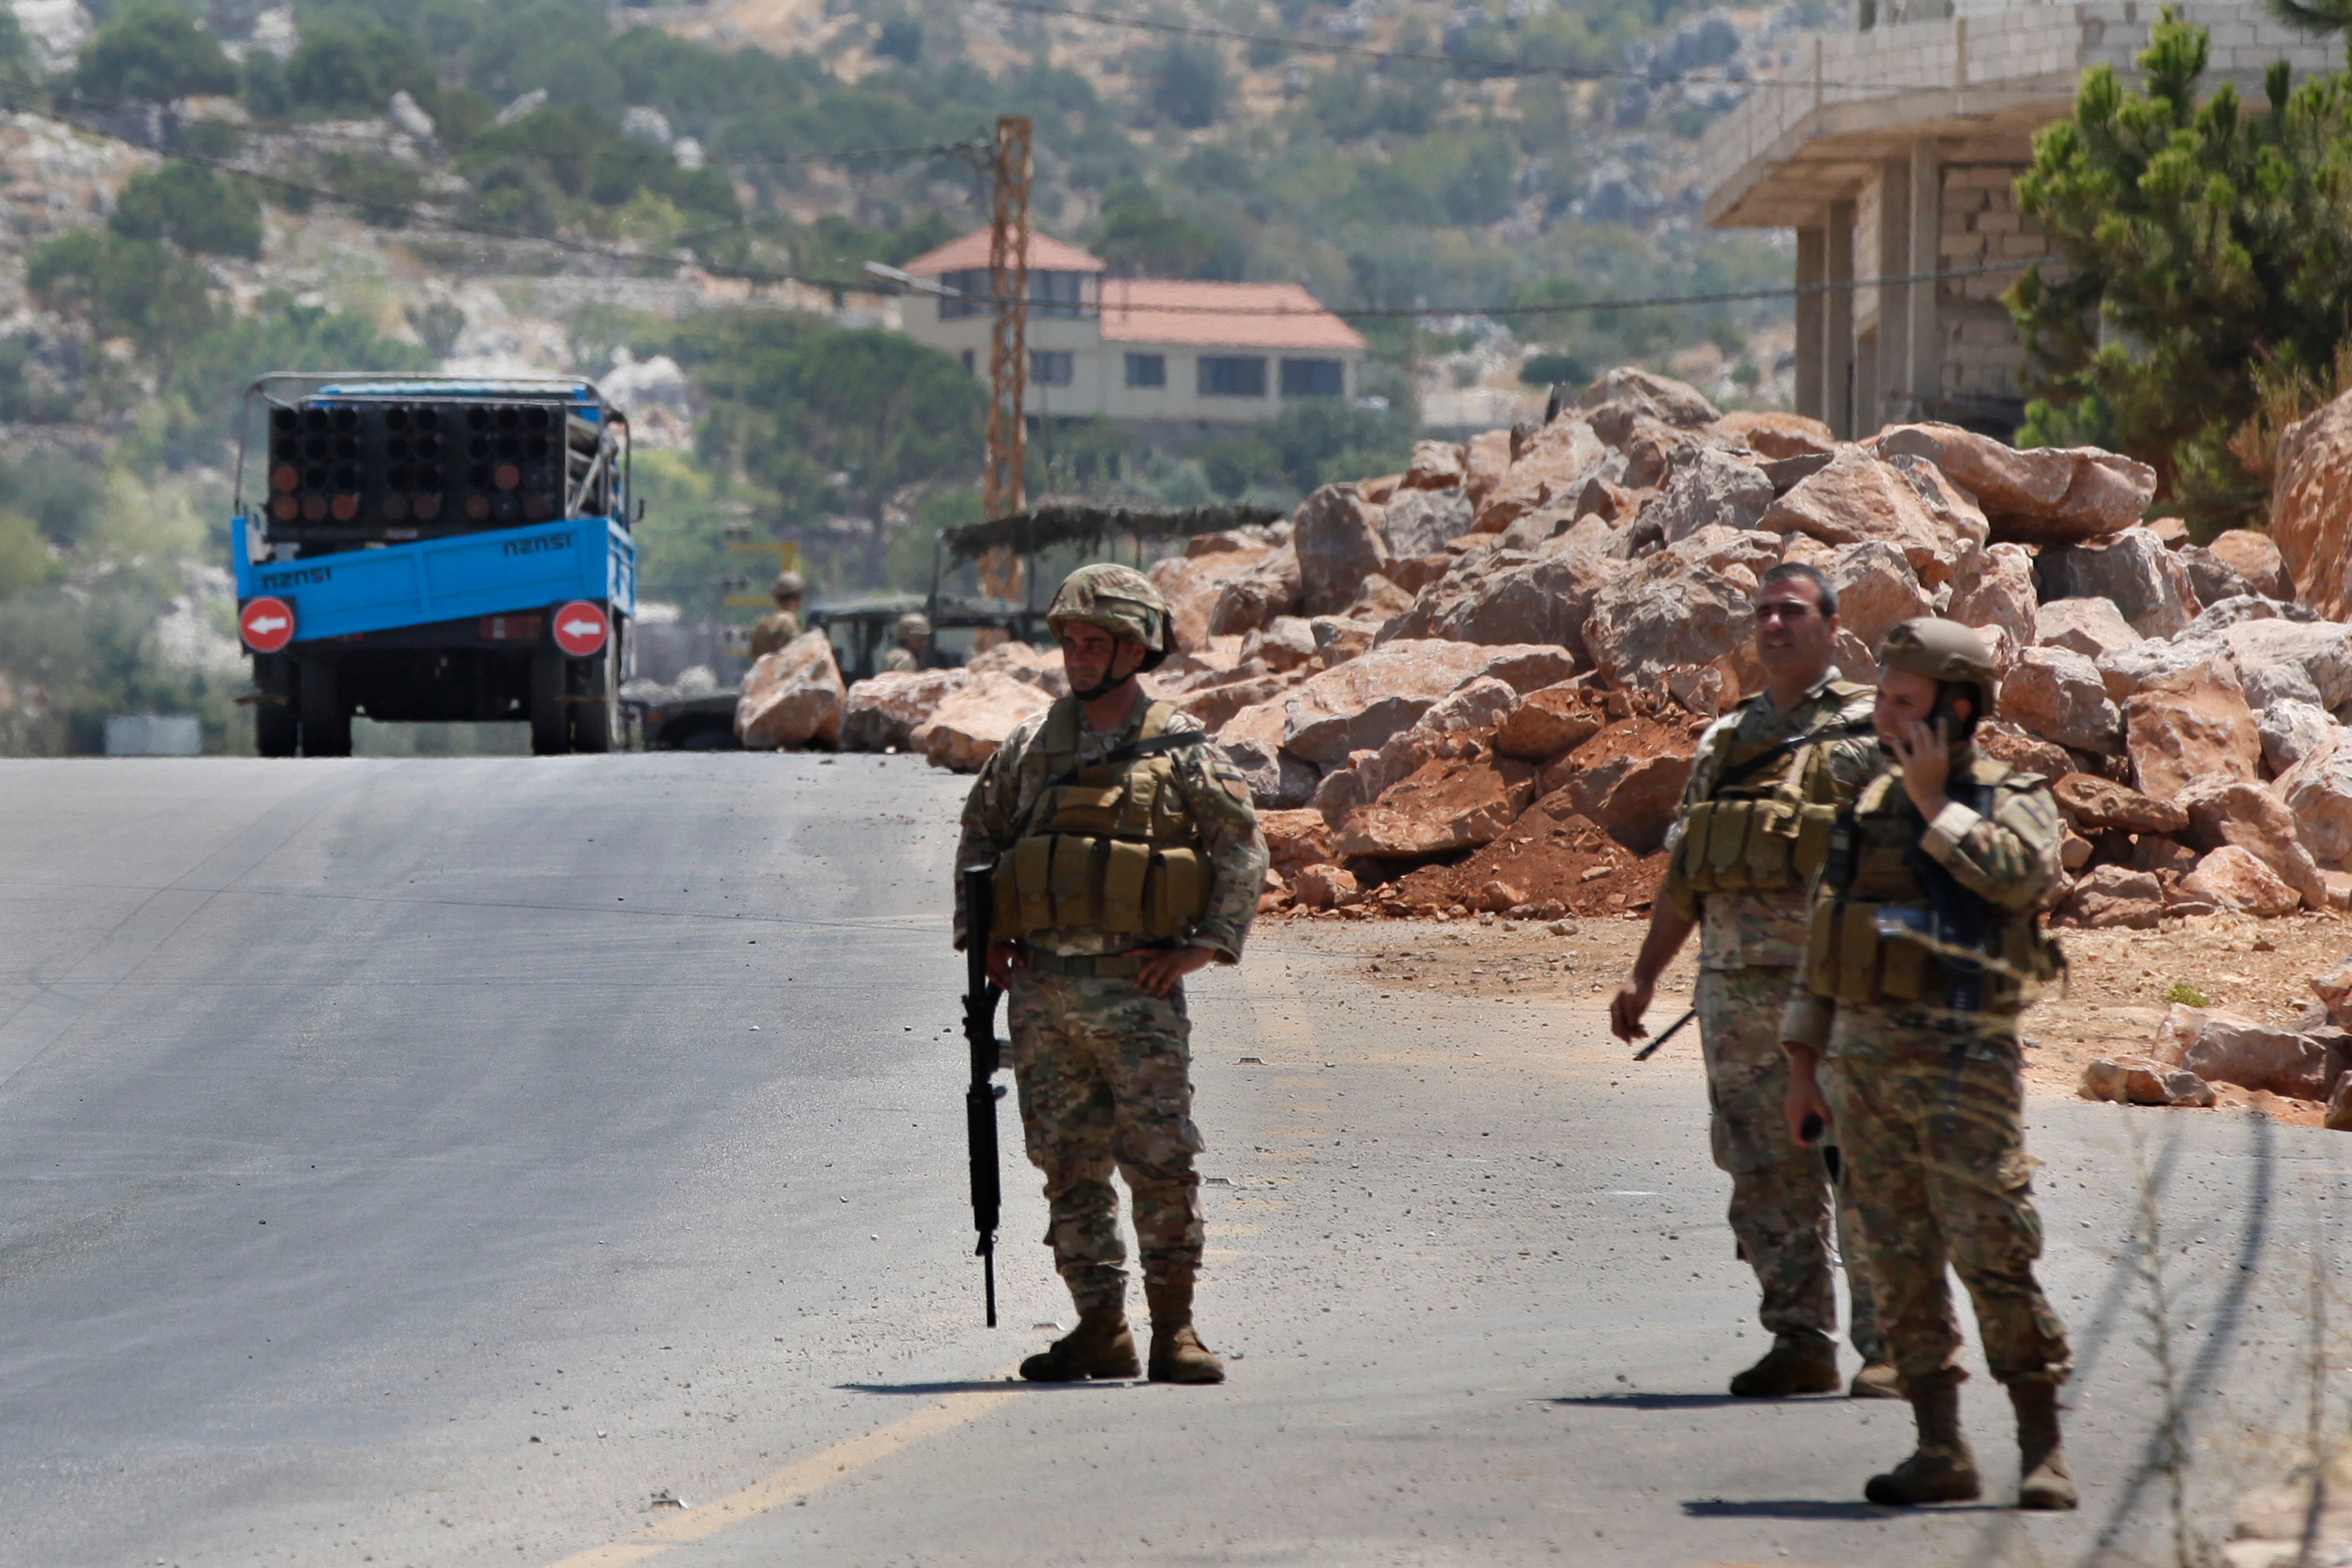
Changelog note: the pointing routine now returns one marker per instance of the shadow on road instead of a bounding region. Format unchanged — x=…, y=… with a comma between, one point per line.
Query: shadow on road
x=980, y=1385
x=1673, y=1401
x=1808, y=1508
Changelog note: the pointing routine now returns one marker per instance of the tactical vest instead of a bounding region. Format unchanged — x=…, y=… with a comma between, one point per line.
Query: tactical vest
x=1876, y=936
x=1764, y=825
x=1110, y=847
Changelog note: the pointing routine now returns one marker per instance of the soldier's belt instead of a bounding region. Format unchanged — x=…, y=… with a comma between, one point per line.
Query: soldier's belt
x=1099, y=966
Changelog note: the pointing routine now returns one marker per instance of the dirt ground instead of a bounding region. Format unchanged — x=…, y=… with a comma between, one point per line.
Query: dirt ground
x=2120, y=985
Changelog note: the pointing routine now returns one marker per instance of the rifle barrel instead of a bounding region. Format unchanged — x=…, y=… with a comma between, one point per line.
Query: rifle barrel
x=1671, y=1030
x=979, y=1095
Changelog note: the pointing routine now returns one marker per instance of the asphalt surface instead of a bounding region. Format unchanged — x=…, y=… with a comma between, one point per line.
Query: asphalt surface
x=434, y=1161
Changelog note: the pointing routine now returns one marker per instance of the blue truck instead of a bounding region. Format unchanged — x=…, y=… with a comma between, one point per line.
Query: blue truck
x=434, y=548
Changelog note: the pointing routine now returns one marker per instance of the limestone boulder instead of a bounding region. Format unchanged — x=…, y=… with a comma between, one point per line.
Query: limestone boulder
x=1039, y=667
x=2127, y=669
x=2005, y=742
x=1192, y=581
x=1339, y=638
x=1277, y=780
x=2044, y=496
x=1215, y=704
x=792, y=696
x=964, y=730
x=1282, y=644
x=2236, y=879
x=1627, y=779
x=2321, y=649
x=1485, y=460
x=1994, y=588
x=2334, y=989
x=2114, y=896
x=1550, y=722
x=1621, y=396
x=1248, y=600
x=1418, y=522
x=2192, y=726
x=1553, y=466
x=2223, y=1048
x=2268, y=685
x=2337, y=1120
x=2088, y=626
x=1436, y=466
x=2057, y=695
x=1335, y=535
x=1708, y=488
x=1445, y=805
x=1751, y=549
x=2143, y=1080
x=2254, y=556
x=2133, y=571
x=1363, y=702
x=2311, y=507
x=1324, y=886
x=1505, y=598
x=2219, y=616
x=1955, y=510
x=1854, y=497
x=880, y=712
x=1295, y=840
x=1776, y=434
x=2318, y=790
x=2224, y=812
x=2094, y=804
x=1667, y=613
x=2213, y=578
x=1877, y=590
x=2292, y=731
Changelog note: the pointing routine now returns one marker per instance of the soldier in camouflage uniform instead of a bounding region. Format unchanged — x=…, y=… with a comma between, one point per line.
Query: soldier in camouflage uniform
x=1127, y=855
x=773, y=630
x=1924, y=948
x=913, y=631
x=1746, y=844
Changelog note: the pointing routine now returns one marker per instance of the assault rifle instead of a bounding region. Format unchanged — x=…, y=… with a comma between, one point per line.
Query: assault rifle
x=1671, y=1030
x=980, y=996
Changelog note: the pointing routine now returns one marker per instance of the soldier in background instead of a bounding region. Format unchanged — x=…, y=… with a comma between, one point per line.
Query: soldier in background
x=1127, y=856
x=1746, y=843
x=914, y=634
x=1924, y=948
x=774, y=630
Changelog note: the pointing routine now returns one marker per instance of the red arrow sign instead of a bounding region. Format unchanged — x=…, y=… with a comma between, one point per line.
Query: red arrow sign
x=580, y=628
x=267, y=625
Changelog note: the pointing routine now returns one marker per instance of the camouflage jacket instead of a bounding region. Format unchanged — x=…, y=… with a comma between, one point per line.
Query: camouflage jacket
x=2008, y=858
x=1740, y=929
x=773, y=631
x=1211, y=787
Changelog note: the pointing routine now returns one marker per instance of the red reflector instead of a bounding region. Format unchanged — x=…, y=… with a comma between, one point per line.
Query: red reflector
x=512, y=628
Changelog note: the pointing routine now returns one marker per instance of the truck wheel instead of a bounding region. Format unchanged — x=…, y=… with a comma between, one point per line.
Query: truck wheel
x=595, y=708
x=550, y=724
x=277, y=726
x=326, y=722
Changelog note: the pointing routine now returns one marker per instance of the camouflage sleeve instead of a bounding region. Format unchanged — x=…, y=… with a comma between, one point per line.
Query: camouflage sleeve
x=992, y=813
x=2009, y=858
x=1219, y=799
x=1851, y=763
x=1806, y=1020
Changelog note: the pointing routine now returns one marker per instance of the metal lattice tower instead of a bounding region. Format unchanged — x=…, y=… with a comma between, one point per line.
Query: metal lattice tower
x=1008, y=349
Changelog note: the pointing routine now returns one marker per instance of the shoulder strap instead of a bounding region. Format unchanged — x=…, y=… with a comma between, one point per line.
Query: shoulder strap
x=1771, y=755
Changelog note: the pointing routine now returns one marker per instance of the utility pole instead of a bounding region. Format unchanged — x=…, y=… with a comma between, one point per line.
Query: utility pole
x=1008, y=348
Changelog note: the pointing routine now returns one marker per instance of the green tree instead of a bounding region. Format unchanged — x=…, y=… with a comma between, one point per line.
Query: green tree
x=193, y=208
x=1139, y=237
x=359, y=73
x=153, y=53
x=1185, y=82
x=138, y=289
x=2207, y=270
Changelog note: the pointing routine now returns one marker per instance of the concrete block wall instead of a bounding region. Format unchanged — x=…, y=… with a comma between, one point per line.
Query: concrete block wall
x=1981, y=353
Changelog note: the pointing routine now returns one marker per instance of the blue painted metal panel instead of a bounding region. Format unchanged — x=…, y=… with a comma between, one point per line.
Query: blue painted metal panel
x=498, y=572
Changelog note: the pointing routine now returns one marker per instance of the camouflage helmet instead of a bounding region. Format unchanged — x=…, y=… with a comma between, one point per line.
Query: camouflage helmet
x=1121, y=601
x=913, y=624
x=787, y=585
x=1944, y=651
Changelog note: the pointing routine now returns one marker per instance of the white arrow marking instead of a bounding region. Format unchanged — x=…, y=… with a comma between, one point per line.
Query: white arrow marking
x=262, y=625
x=581, y=628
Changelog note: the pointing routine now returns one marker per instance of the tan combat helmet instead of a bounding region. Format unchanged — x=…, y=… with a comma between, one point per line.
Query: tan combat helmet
x=1944, y=651
x=1122, y=602
x=910, y=625
x=787, y=585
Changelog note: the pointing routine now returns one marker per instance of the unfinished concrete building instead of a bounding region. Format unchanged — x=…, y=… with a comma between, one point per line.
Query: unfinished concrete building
x=1891, y=151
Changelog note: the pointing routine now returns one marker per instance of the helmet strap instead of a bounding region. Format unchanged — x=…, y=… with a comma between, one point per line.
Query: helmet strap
x=1103, y=688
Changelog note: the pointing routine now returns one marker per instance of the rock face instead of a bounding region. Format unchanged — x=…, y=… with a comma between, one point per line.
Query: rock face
x=2044, y=496
x=2321, y=650
x=1550, y=722
x=1434, y=465
x=1444, y=805
x=1250, y=599
x=2087, y=627
x=882, y=710
x=1776, y=434
x=1418, y=522
x=792, y=696
x=2292, y=731
x=2059, y=696
x=1365, y=701
x=1627, y=781
x=1559, y=458
x=1337, y=537
x=2097, y=806
x=2318, y=790
x=2000, y=592
x=1708, y=487
x=2254, y=556
x=1856, y=498
x=1506, y=599
x=2142, y=1080
x=2224, y=812
x=2195, y=725
x=1024, y=663
x=1664, y=615
x=1276, y=778
x=2311, y=507
x=2132, y=571
x=2116, y=896
x=1628, y=392
x=2223, y=1047
x=965, y=729
x=2235, y=880
x=1192, y=581
x=1876, y=589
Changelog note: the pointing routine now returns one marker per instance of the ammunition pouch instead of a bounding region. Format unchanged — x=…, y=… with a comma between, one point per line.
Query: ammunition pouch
x=1762, y=845
x=1072, y=880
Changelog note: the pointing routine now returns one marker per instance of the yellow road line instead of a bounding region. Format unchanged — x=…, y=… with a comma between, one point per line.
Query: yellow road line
x=793, y=1482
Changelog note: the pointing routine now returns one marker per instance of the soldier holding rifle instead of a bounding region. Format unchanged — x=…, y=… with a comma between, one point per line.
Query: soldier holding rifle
x=1924, y=948
x=1127, y=854
x=1749, y=839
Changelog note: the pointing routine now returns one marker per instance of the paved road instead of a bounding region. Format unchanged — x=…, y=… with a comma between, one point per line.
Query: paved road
x=430, y=1161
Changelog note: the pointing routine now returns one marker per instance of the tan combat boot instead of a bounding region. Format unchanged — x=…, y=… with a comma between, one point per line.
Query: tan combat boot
x=1796, y=1363
x=2047, y=1483
x=1877, y=1380
x=1100, y=1346
x=1177, y=1353
x=1943, y=1470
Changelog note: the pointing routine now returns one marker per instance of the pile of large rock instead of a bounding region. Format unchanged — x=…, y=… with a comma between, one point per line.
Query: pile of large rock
x=2196, y=1048
x=1485, y=676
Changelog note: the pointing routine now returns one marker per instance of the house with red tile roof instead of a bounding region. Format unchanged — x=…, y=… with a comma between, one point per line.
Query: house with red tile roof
x=1171, y=356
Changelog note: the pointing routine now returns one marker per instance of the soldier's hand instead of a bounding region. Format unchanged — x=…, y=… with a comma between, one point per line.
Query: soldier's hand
x=1164, y=966
x=1926, y=753
x=1805, y=1102
x=1002, y=957
x=1625, y=1009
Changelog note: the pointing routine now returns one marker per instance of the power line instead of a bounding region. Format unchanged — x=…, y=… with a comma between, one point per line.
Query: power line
x=1482, y=65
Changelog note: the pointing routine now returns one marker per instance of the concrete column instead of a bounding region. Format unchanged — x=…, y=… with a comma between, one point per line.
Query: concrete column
x=1837, y=322
x=1891, y=370
x=1924, y=341
x=1811, y=250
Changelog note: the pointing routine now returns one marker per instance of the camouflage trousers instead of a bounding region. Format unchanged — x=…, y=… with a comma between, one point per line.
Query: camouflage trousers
x=1104, y=1072
x=1943, y=1178
x=1780, y=1189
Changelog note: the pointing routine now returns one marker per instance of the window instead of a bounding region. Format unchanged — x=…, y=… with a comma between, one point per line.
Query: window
x=1314, y=378
x=1054, y=293
x=1050, y=367
x=1232, y=375
x=1147, y=370
x=973, y=281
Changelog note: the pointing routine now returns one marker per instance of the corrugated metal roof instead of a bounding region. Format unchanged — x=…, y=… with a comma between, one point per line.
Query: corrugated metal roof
x=1046, y=253
x=1237, y=315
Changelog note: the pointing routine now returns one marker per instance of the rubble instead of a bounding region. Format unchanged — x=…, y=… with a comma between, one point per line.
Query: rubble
x=964, y=730
x=2141, y=1080
x=792, y=696
x=2223, y=1047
